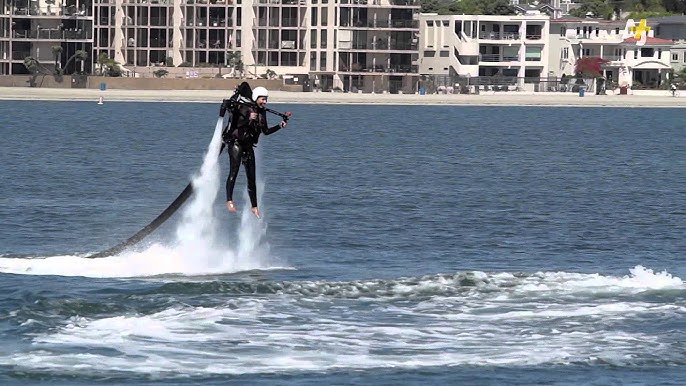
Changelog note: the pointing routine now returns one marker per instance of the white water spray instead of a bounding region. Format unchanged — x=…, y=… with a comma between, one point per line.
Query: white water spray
x=196, y=231
x=197, y=250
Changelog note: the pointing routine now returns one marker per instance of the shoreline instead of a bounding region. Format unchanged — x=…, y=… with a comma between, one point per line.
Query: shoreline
x=656, y=100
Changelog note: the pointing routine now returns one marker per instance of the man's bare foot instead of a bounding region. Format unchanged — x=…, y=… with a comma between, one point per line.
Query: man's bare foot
x=231, y=206
x=255, y=211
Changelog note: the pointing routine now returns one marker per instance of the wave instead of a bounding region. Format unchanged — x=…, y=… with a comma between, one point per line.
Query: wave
x=640, y=279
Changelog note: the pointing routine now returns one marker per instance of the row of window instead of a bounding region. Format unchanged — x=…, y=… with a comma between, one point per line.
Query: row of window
x=645, y=52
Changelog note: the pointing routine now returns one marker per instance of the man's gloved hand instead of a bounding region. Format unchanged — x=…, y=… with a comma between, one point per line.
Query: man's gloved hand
x=224, y=107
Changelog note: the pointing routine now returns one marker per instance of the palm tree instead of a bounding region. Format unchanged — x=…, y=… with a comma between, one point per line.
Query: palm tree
x=235, y=61
x=79, y=56
x=57, y=52
x=31, y=64
x=108, y=66
x=35, y=68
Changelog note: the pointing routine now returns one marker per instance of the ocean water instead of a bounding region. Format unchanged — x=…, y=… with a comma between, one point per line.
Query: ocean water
x=398, y=245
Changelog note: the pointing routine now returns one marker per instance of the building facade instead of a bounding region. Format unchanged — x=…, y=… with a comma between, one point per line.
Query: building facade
x=354, y=45
x=484, y=46
x=631, y=62
x=672, y=28
x=36, y=28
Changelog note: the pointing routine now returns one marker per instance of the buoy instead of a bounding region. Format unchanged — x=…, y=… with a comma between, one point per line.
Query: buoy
x=100, y=101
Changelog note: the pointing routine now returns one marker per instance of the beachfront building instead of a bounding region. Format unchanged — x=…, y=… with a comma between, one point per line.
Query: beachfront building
x=478, y=47
x=672, y=28
x=44, y=29
x=630, y=62
x=365, y=45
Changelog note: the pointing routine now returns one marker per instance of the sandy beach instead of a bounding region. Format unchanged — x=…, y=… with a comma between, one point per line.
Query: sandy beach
x=645, y=99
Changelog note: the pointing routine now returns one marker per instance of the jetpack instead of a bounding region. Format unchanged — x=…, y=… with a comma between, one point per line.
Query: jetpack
x=241, y=95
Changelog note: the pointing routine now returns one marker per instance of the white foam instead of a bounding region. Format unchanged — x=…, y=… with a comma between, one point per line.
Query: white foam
x=281, y=334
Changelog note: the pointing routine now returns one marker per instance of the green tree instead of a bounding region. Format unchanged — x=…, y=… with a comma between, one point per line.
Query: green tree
x=108, y=66
x=235, y=61
x=31, y=64
x=57, y=53
x=496, y=7
x=599, y=9
x=79, y=56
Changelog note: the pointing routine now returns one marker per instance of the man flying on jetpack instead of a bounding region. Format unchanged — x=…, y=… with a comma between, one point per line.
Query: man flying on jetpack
x=248, y=119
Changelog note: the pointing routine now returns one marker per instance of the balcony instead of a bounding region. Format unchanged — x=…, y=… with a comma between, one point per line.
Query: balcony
x=407, y=3
x=495, y=58
x=52, y=34
x=499, y=36
x=392, y=69
x=391, y=24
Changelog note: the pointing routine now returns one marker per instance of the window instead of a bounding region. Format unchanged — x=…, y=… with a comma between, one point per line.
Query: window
x=647, y=52
x=675, y=57
x=587, y=52
x=324, y=16
x=313, y=17
x=565, y=53
x=322, y=61
x=444, y=54
x=563, y=31
x=322, y=40
x=313, y=38
x=533, y=54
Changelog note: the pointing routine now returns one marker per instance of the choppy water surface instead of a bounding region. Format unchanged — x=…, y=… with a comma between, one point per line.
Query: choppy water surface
x=399, y=245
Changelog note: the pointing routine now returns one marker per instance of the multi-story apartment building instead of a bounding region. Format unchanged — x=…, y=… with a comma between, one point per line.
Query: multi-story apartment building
x=366, y=45
x=36, y=27
x=483, y=45
x=631, y=62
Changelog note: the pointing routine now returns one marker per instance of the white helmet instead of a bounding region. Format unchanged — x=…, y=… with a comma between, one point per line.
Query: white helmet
x=259, y=92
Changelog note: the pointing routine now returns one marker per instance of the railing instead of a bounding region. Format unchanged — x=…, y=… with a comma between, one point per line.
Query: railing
x=354, y=23
x=399, y=68
x=392, y=24
x=499, y=35
x=497, y=58
x=613, y=58
x=405, y=2
x=220, y=22
x=533, y=37
x=52, y=34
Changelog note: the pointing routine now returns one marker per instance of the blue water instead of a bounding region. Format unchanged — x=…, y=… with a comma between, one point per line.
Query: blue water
x=399, y=245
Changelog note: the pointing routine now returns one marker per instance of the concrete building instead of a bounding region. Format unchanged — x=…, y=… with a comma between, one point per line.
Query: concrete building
x=484, y=46
x=672, y=28
x=365, y=45
x=37, y=27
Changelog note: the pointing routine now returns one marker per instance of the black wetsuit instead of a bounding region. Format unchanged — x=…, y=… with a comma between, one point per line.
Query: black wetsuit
x=240, y=138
